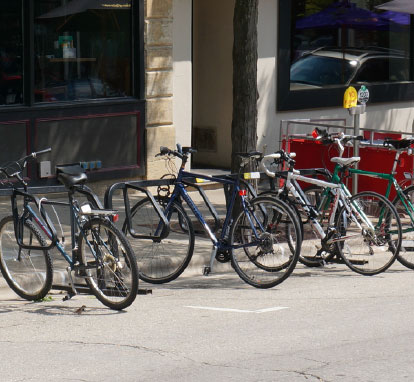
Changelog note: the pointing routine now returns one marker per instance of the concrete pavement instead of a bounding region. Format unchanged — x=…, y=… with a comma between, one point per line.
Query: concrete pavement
x=321, y=324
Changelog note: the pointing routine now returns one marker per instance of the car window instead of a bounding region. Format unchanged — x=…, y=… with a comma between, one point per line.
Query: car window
x=321, y=71
x=383, y=69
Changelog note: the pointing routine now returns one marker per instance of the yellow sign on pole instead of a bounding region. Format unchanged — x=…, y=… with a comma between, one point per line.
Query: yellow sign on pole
x=350, y=97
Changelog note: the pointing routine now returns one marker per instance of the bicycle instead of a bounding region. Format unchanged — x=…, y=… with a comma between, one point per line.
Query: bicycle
x=404, y=200
x=262, y=241
x=100, y=252
x=364, y=229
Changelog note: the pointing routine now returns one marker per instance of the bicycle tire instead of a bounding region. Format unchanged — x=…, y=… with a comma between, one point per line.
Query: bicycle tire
x=291, y=241
x=268, y=262
x=161, y=260
x=406, y=254
x=29, y=273
x=112, y=274
x=359, y=255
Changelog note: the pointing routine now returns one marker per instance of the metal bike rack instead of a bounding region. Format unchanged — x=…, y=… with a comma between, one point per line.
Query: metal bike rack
x=143, y=185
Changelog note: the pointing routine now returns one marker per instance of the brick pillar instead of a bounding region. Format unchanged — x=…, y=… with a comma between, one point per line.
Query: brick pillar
x=159, y=82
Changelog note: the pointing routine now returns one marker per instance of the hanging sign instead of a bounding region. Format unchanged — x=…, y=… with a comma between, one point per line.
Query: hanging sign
x=350, y=98
x=363, y=95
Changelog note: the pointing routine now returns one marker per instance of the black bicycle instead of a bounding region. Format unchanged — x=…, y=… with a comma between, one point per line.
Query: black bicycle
x=100, y=254
x=262, y=241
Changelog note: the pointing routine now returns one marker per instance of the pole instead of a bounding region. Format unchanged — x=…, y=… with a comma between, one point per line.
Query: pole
x=357, y=120
x=356, y=112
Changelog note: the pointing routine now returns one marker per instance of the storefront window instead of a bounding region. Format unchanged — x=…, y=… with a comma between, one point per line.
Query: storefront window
x=339, y=43
x=82, y=49
x=335, y=44
x=11, y=52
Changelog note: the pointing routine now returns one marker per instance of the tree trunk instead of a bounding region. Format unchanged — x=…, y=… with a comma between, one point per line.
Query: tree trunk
x=245, y=94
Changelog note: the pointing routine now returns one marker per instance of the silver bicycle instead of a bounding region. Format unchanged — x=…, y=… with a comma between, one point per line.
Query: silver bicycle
x=364, y=229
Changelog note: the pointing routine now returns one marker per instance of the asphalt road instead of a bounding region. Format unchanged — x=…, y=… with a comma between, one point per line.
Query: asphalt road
x=319, y=325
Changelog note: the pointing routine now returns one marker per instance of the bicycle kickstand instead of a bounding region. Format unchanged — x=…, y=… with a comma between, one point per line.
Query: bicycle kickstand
x=71, y=292
x=209, y=269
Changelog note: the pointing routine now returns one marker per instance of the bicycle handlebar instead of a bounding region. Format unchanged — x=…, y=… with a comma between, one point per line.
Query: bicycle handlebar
x=48, y=150
x=279, y=155
x=338, y=138
x=21, y=164
x=325, y=137
x=181, y=152
x=33, y=155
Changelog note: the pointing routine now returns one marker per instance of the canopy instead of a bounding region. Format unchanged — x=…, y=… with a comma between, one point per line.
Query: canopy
x=79, y=6
x=343, y=14
x=402, y=6
x=397, y=17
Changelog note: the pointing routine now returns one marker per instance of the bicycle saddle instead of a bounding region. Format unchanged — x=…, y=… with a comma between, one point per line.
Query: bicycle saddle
x=398, y=144
x=71, y=175
x=250, y=154
x=346, y=161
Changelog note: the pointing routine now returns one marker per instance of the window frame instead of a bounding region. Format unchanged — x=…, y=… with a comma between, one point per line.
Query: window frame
x=330, y=97
x=137, y=62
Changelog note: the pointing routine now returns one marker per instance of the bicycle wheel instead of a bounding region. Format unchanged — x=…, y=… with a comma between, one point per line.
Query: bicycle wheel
x=28, y=272
x=406, y=254
x=369, y=250
x=267, y=259
x=161, y=261
x=111, y=267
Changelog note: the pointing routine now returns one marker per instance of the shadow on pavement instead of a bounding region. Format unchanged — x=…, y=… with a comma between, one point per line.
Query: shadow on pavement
x=52, y=308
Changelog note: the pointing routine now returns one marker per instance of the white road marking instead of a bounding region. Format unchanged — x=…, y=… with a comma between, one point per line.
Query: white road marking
x=267, y=310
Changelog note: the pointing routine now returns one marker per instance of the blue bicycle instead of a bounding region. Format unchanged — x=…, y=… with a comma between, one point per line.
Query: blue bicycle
x=262, y=241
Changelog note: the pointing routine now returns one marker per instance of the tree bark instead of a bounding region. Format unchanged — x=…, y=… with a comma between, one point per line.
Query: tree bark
x=245, y=93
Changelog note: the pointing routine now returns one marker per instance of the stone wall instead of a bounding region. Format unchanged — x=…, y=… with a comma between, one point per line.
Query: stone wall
x=159, y=82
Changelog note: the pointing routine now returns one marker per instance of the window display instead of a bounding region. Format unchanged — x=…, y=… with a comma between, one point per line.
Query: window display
x=342, y=39
x=11, y=53
x=335, y=44
x=82, y=49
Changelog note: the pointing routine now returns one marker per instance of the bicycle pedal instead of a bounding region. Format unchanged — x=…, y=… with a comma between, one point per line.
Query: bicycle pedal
x=206, y=271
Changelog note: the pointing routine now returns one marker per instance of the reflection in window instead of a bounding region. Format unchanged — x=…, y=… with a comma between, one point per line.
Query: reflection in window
x=82, y=49
x=11, y=50
x=338, y=43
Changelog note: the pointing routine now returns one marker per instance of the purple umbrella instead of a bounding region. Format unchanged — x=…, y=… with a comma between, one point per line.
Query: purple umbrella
x=403, y=6
x=79, y=6
x=341, y=14
x=397, y=17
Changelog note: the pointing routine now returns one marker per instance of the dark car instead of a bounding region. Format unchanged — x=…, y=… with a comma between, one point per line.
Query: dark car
x=336, y=67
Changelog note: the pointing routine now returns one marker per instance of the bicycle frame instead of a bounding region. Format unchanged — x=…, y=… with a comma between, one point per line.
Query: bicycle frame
x=218, y=243
x=69, y=258
x=341, y=195
x=47, y=227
